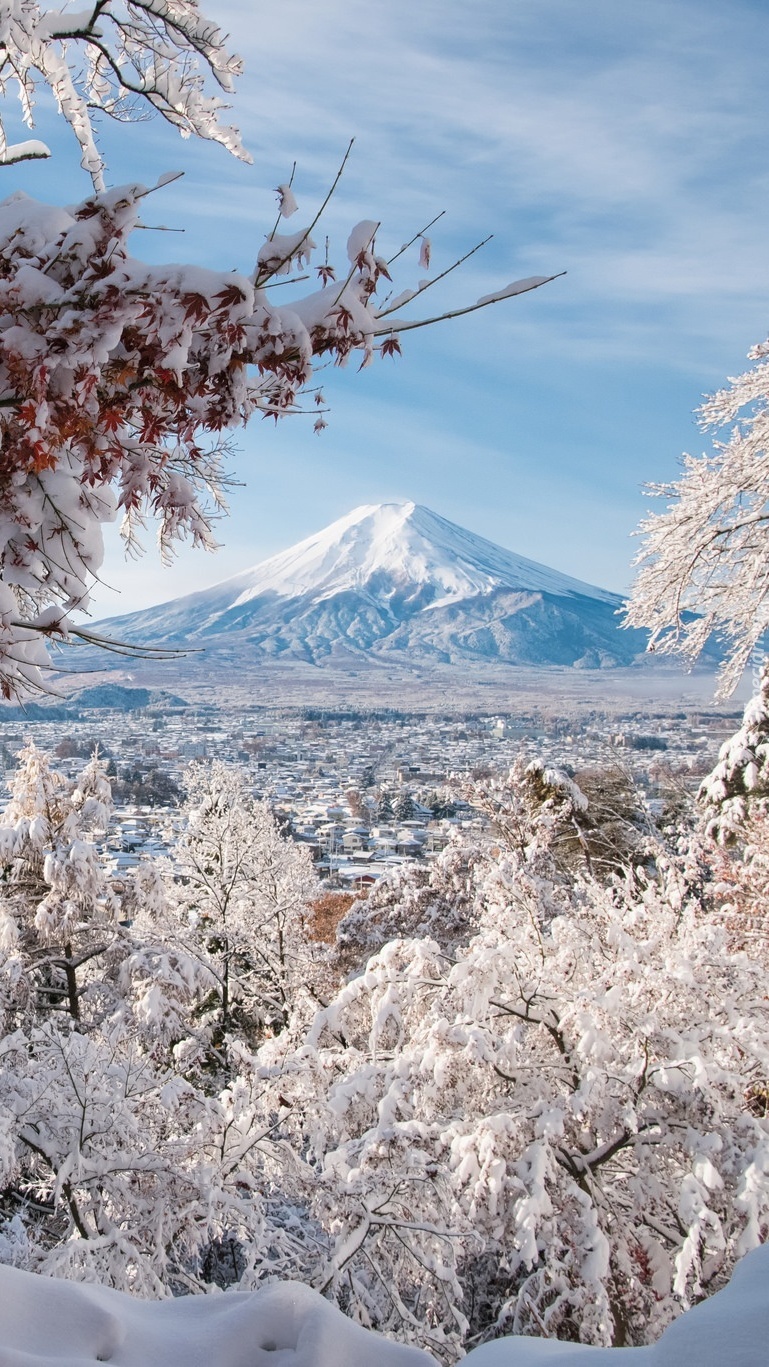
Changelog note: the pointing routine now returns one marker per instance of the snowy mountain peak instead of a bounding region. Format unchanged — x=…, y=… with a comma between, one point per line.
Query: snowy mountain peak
x=409, y=545
x=397, y=579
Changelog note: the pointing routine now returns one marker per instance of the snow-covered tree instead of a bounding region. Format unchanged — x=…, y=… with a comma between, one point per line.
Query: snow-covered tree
x=554, y=1130
x=739, y=891
x=118, y=380
x=705, y=559
x=75, y=940
x=734, y=799
x=592, y=820
x=58, y=910
x=127, y=1173
x=122, y=1166
x=241, y=894
x=413, y=901
x=739, y=783
x=539, y=1106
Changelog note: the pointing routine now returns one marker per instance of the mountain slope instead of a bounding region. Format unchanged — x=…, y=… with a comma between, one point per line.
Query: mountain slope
x=394, y=580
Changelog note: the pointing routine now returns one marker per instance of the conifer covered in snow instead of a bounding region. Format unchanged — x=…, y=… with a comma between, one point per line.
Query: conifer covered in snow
x=739, y=783
x=734, y=798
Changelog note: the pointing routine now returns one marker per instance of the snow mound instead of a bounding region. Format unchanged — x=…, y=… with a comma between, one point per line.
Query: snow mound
x=727, y=1330
x=44, y=1321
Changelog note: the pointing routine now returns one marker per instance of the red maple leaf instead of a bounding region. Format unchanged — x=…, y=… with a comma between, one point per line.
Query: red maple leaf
x=230, y=296
x=391, y=347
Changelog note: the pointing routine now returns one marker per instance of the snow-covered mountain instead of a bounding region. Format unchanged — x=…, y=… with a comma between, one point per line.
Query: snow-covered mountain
x=397, y=580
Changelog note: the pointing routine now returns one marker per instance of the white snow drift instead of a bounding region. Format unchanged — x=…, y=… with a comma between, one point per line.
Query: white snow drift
x=44, y=1321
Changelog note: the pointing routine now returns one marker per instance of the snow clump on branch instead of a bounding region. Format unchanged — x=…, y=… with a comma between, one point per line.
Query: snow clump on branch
x=117, y=58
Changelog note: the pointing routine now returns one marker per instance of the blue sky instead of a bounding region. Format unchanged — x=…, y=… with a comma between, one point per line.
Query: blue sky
x=621, y=143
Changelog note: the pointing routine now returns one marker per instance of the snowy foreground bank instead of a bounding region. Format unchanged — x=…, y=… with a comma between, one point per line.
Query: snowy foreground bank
x=46, y=1321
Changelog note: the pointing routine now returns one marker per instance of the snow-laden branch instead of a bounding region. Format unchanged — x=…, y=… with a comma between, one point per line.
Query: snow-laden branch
x=545, y=1107
x=704, y=560
x=123, y=58
x=30, y=150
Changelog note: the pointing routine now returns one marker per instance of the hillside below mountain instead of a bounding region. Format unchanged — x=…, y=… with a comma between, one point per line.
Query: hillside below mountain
x=394, y=582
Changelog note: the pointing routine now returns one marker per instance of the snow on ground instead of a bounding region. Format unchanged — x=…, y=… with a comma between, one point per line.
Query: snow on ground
x=44, y=1322
x=727, y=1330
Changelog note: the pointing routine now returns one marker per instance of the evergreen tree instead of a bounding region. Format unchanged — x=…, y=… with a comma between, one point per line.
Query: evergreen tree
x=739, y=783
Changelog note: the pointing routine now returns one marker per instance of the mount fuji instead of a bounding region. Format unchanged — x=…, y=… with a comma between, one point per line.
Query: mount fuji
x=395, y=581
